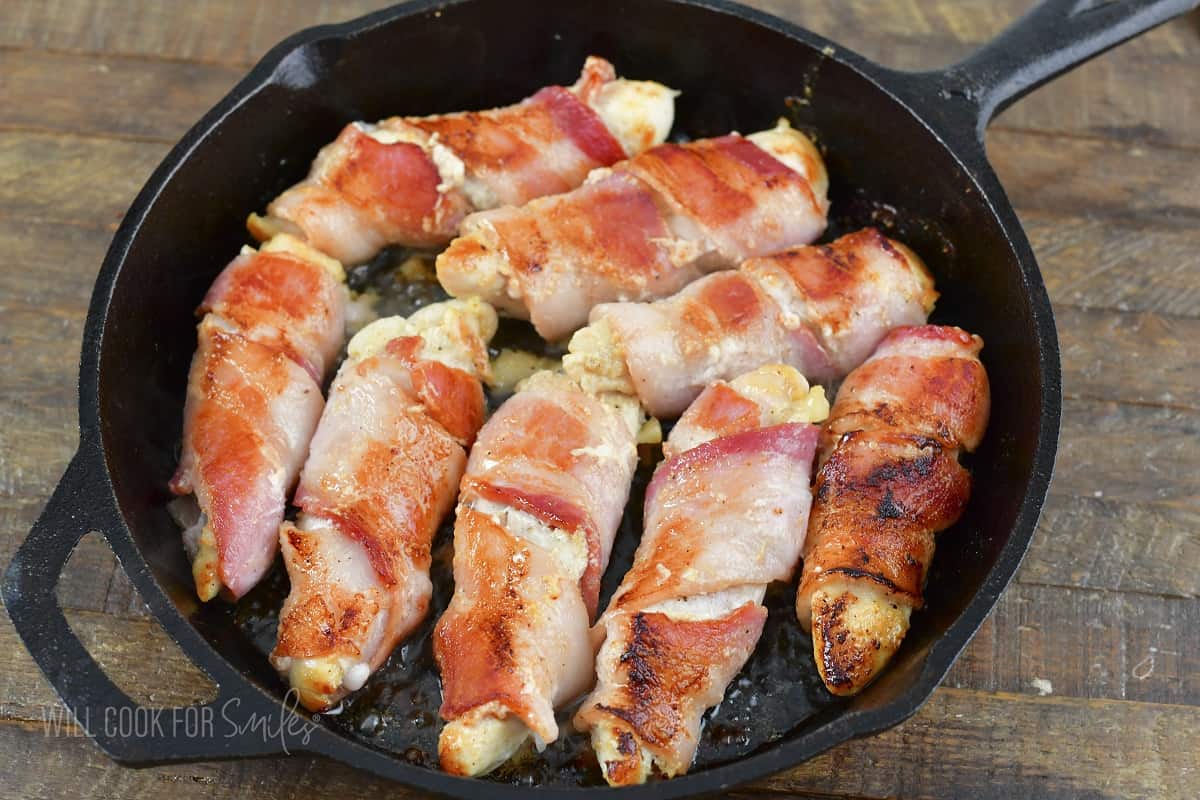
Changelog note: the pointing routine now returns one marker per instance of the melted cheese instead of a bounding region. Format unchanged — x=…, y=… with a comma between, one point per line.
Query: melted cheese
x=569, y=549
x=638, y=113
x=797, y=151
x=451, y=332
x=596, y=360
x=481, y=740
x=783, y=394
x=513, y=366
x=713, y=605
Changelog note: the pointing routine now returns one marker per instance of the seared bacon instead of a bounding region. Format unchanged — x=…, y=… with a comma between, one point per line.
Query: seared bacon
x=411, y=180
x=382, y=472
x=643, y=229
x=819, y=309
x=889, y=480
x=725, y=515
x=272, y=324
x=539, y=506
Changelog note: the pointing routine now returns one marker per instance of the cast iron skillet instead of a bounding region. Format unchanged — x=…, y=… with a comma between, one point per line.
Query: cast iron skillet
x=904, y=151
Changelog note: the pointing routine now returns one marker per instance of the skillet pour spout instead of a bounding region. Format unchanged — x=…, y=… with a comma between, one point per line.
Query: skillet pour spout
x=186, y=224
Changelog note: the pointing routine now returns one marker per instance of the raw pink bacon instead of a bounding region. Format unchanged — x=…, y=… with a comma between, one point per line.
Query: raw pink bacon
x=819, y=309
x=544, y=145
x=889, y=481
x=273, y=322
x=283, y=301
x=539, y=507
x=643, y=230
x=411, y=180
x=689, y=611
x=364, y=193
x=382, y=473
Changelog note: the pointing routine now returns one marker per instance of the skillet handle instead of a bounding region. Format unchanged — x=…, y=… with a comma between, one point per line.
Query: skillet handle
x=1053, y=37
x=232, y=725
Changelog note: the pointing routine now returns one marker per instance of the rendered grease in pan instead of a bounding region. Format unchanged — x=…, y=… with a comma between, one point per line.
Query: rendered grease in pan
x=397, y=710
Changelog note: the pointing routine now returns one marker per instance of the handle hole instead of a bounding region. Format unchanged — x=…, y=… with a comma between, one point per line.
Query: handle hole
x=106, y=613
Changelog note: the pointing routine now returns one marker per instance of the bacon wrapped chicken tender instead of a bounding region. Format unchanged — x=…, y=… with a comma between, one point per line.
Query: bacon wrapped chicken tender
x=411, y=180
x=726, y=514
x=543, y=494
x=382, y=472
x=642, y=230
x=889, y=480
x=272, y=324
x=821, y=310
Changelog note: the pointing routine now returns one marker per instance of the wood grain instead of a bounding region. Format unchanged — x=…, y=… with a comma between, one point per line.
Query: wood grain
x=1105, y=98
x=1093, y=262
x=1048, y=173
x=1102, y=166
x=42, y=90
x=1006, y=746
x=1128, y=453
x=960, y=738
x=1099, y=543
x=71, y=178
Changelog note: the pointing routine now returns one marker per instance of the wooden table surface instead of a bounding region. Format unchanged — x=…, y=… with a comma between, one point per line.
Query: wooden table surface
x=1085, y=682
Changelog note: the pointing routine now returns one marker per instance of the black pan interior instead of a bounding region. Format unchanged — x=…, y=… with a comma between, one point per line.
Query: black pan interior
x=886, y=168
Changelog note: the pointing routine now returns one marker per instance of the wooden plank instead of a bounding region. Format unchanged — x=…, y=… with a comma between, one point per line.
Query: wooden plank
x=240, y=33
x=1099, y=543
x=223, y=31
x=992, y=745
x=1104, y=608
x=1106, y=355
x=1086, y=644
x=867, y=26
x=1092, y=262
x=109, y=42
x=42, y=91
x=1133, y=184
x=72, y=178
x=1100, y=99
x=1133, y=454
x=1002, y=746
x=68, y=765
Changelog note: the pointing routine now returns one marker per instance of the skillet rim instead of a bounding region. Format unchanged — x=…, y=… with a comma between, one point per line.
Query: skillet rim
x=957, y=132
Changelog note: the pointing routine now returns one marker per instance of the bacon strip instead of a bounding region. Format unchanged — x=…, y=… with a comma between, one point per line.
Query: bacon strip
x=382, y=472
x=411, y=180
x=644, y=230
x=541, y=146
x=540, y=503
x=371, y=187
x=819, y=309
x=889, y=481
x=689, y=611
x=271, y=325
